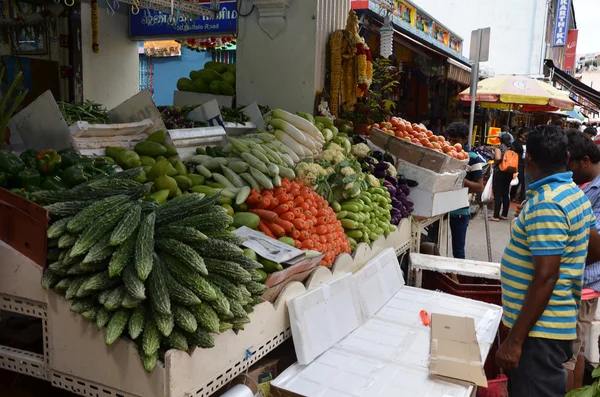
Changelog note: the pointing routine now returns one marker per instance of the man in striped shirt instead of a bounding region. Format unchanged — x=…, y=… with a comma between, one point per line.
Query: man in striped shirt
x=584, y=162
x=542, y=271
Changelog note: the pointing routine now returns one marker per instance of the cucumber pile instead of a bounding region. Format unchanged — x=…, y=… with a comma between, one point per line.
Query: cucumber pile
x=164, y=276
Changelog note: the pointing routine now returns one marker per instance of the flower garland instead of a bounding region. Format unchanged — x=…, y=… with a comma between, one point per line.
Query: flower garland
x=95, y=45
x=364, y=63
x=208, y=44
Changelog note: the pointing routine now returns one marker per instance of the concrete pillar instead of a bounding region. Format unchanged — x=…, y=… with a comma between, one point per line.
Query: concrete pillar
x=281, y=51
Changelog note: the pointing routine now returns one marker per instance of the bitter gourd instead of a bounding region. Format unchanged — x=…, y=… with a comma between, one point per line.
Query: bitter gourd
x=177, y=340
x=157, y=289
x=188, y=277
x=202, y=339
x=165, y=323
x=150, y=337
x=227, y=269
x=144, y=247
x=58, y=228
x=99, y=251
x=136, y=322
x=122, y=257
x=135, y=287
x=207, y=222
x=116, y=326
x=102, y=317
x=183, y=252
x=217, y=249
x=127, y=226
x=67, y=240
x=184, y=319
x=206, y=317
x=184, y=207
x=82, y=220
x=180, y=294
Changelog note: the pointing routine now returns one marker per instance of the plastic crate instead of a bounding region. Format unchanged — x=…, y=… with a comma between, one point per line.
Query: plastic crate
x=488, y=291
x=23, y=226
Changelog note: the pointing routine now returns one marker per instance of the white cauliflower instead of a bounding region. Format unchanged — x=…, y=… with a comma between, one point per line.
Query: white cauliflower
x=347, y=171
x=373, y=182
x=349, y=186
x=360, y=150
x=329, y=170
x=333, y=156
x=307, y=173
x=391, y=171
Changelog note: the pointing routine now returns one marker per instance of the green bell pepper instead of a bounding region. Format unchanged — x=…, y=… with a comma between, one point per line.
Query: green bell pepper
x=74, y=176
x=69, y=157
x=111, y=169
x=28, y=178
x=10, y=164
x=48, y=161
x=28, y=157
x=53, y=183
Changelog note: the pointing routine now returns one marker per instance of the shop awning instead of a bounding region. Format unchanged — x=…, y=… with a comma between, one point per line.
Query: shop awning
x=572, y=84
x=458, y=72
x=410, y=33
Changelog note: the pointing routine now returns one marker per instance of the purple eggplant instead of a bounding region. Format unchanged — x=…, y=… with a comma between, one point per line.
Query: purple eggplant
x=382, y=166
x=379, y=174
x=405, y=189
x=391, y=180
x=408, y=202
x=391, y=189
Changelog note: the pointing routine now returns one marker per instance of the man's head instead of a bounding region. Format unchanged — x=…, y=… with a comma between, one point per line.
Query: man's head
x=584, y=157
x=458, y=133
x=522, y=134
x=505, y=128
x=505, y=140
x=547, y=152
x=558, y=123
x=590, y=132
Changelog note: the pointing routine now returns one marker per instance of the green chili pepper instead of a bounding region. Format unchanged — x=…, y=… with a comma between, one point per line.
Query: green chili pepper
x=28, y=157
x=28, y=178
x=10, y=164
x=48, y=161
x=53, y=183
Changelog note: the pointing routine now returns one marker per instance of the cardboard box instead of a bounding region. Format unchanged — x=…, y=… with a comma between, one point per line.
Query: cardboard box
x=259, y=376
x=415, y=154
x=454, y=350
x=429, y=204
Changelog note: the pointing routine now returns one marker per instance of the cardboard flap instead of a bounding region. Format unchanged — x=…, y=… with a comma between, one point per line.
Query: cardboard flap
x=454, y=350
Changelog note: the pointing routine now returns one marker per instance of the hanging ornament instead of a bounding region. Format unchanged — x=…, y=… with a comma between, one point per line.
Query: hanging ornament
x=95, y=45
x=386, y=38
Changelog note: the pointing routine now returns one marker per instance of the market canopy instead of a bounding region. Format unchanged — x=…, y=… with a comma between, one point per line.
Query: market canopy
x=572, y=84
x=520, y=92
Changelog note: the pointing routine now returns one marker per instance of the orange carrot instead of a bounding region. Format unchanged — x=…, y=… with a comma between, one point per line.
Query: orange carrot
x=286, y=225
x=298, y=243
x=276, y=229
x=263, y=203
x=295, y=234
x=299, y=224
x=287, y=216
x=265, y=229
x=322, y=229
x=281, y=209
x=308, y=244
x=274, y=203
x=253, y=199
x=299, y=200
x=265, y=214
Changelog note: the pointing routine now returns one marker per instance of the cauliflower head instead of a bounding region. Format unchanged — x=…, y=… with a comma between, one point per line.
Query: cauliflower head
x=360, y=150
x=307, y=173
x=391, y=171
x=373, y=182
x=333, y=156
x=347, y=171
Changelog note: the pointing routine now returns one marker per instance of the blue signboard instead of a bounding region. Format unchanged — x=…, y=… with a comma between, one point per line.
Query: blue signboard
x=152, y=23
x=561, y=23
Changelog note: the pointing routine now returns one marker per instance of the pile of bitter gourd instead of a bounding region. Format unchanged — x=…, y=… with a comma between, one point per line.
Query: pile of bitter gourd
x=164, y=276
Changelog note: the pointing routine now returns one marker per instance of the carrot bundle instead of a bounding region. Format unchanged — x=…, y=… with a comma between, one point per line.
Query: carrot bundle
x=297, y=211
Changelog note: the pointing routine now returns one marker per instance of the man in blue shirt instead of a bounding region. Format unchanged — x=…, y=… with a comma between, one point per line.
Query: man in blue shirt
x=459, y=219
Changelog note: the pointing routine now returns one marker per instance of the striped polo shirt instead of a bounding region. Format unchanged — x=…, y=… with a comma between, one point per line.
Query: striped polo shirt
x=556, y=220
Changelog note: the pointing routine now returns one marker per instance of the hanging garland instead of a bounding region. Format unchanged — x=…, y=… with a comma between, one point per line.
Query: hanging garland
x=208, y=44
x=95, y=45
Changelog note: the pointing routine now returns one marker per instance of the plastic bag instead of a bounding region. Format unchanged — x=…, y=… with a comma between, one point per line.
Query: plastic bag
x=488, y=191
x=515, y=180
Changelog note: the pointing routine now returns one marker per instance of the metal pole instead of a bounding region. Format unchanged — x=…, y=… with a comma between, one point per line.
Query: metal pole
x=474, y=81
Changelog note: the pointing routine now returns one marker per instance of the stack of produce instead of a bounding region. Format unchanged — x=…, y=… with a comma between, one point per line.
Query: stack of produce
x=216, y=78
x=165, y=276
x=421, y=136
x=297, y=133
x=296, y=211
x=402, y=206
x=232, y=115
x=50, y=170
x=176, y=118
x=88, y=111
x=254, y=162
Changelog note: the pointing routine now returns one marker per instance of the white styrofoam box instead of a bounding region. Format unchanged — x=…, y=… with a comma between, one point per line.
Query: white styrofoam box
x=405, y=306
x=342, y=373
x=377, y=282
x=186, y=140
x=591, y=343
x=428, y=204
x=463, y=267
x=184, y=98
x=83, y=129
x=237, y=129
x=429, y=180
x=323, y=316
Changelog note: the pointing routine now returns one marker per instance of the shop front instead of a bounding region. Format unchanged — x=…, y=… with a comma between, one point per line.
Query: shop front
x=432, y=69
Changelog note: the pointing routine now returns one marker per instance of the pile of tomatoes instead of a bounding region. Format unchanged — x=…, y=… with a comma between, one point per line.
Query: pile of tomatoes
x=418, y=135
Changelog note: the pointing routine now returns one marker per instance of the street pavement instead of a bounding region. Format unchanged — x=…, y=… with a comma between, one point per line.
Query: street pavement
x=476, y=246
